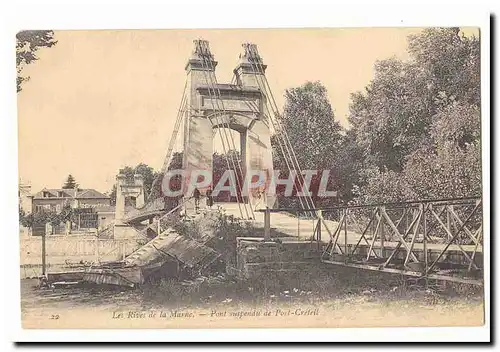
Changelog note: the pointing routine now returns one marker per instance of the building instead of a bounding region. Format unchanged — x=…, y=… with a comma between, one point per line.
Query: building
x=25, y=198
x=56, y=199
x=93, y=209
x=106, y=215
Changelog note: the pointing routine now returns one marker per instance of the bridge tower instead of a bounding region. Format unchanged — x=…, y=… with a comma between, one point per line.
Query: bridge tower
x=125, y=192
x=239, y=107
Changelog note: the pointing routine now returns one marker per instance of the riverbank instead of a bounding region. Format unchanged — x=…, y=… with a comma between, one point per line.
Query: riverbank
x=343, y=298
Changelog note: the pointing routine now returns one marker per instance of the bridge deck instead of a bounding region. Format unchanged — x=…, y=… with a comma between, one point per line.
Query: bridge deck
x=303, y=229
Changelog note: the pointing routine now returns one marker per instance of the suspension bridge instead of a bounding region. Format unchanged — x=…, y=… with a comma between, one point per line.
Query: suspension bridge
x=426, y=239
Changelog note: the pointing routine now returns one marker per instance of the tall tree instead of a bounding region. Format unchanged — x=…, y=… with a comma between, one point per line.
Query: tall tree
x=314, y=135
x=418, y=122
x=309, y=122
x=390, y=118
x=27, y=44
x=70, y=183
x=393, y=117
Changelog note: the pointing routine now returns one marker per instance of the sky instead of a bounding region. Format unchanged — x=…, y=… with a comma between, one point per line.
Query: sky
x=100, y=100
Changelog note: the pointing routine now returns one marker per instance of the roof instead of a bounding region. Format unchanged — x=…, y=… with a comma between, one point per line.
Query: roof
x=88, y=193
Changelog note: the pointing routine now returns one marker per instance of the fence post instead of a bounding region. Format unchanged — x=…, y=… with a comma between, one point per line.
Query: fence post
x=43, y=254
x=345, y=233
x=382, y=234
x=320, y=219
x=448, y=220
x=267, y=224
x=313, y=229
x=426, y=260
x=298, y=226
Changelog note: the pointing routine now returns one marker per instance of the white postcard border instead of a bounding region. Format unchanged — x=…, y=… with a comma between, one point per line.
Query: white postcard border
x=127, y=14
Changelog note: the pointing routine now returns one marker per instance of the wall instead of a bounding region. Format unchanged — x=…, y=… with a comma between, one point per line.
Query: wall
x=53, y=202
x=256, y=257
x=93, y=202
x=63, y=252
x=105, y=219
x=75, y=203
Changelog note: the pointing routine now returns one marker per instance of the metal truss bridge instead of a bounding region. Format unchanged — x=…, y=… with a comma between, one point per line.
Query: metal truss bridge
x=438, y=239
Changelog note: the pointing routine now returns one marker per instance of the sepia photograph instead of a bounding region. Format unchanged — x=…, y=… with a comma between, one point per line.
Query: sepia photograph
x=250, y=178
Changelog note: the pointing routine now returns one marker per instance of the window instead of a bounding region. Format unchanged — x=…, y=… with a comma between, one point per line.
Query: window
x=60, y=194
x=46, y=194
x=42, y=207
x=130, y=201
x=58, y=208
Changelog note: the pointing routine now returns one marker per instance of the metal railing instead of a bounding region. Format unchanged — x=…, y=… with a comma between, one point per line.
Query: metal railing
x=437, y=239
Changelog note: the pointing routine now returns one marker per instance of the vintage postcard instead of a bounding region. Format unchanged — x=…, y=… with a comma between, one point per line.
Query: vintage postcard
x=250, y=178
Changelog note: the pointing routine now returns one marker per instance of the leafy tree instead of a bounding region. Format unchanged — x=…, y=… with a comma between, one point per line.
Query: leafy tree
x=451, y=61
x=418, y=122
x=70, y=183
x=392, y=118
x=27, y=44
x=41, y=218
x=22, y=217
x=451, y=167
x=309, y=121
x=385, y=187
x=314, y=135
x=347, y=167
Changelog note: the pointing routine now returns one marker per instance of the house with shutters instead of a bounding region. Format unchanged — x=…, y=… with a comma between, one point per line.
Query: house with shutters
x=93, y=209
x=55, y=199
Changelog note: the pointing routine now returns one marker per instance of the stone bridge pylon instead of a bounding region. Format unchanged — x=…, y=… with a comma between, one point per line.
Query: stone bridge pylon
x=207, y=109
x=240, y=107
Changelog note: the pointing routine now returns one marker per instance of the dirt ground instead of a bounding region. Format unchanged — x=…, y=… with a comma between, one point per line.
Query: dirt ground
x=229, y=304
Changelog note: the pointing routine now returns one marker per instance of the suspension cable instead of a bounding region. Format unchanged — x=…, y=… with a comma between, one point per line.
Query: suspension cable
x=215, y=115
x=229, y=156
x=277, y=117
x=181, y=110
x=268, y=92
x=218, y=97
x=238, y=162
x=277, y=130
x=280, y=143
